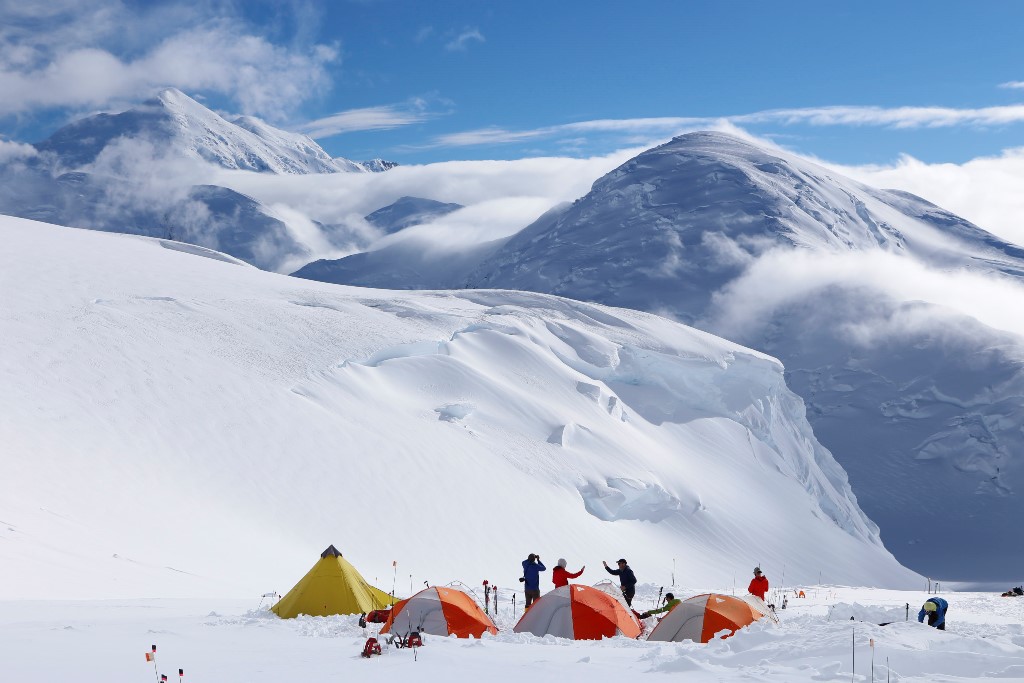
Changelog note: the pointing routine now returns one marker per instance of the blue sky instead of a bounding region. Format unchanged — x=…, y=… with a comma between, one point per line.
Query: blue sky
x=464, y=79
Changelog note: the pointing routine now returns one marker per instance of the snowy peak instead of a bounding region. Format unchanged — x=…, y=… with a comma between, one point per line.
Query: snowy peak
x=744, y=191
x=405, y=212
x=174, y=123
x=378, y=165
x=672, y=225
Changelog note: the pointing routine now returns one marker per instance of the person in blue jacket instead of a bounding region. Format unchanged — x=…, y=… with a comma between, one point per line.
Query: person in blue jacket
x=935, y=609
x=532, y=567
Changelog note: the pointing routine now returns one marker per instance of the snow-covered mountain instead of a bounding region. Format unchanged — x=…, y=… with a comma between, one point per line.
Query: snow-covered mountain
x=922, y=405
x=143, y=172
x=174, y=123
x=405, y=212
x=378, y=165
x=175, y=423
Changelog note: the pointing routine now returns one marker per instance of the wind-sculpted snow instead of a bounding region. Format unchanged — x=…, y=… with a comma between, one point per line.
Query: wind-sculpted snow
x=897, y=321
x=181, y=426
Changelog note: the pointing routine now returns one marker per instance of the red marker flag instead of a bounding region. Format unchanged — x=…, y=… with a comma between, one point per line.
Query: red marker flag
x=162, y=677
x=394, y=563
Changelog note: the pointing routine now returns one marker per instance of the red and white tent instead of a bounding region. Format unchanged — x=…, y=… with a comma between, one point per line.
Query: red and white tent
x=699, y=618
x=580, y=613
x=441, y=612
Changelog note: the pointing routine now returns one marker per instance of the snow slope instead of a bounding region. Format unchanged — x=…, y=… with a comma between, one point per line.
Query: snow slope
x=922, y=404
x=177, y=424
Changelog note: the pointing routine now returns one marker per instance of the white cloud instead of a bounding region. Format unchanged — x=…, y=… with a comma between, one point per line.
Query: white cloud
x=461, y=41
x=887, y=117
x=86, y=58
x=500, y=197
x=985, y=190
x=367, y=118
x=486, y=136
x=894, y=117
x=1012, y=85
x=11, y=151
x=784, y=276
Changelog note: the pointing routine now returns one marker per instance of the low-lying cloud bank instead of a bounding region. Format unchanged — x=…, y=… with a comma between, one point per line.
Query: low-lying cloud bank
x=784, y=276
x=985, y=190
x=500, y=197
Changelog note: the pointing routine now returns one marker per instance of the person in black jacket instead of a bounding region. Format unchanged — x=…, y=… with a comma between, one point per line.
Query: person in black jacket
x=627, y=580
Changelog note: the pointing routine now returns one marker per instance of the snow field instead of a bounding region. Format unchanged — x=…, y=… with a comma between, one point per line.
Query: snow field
x=181, y=426
x=228, y=640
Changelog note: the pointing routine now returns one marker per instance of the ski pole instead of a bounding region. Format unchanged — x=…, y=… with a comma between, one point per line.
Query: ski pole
x=853, y=648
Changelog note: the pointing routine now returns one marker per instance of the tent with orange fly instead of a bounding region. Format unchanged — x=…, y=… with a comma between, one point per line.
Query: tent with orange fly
x=442, y=612
x=701, y=617
x=580, y=613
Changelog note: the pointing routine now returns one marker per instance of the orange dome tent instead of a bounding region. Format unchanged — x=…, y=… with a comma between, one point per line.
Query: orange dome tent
x=699, y=618
x=580, y=613
x=441, y=612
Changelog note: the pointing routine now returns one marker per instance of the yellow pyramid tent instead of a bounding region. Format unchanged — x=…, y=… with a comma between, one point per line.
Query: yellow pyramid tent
x=332, y=586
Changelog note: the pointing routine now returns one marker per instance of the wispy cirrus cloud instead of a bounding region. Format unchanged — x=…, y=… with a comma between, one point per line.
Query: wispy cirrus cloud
x=383, y=117
x=494, y=135
x=888, y=117
x=423, y=33
x=487, y=136
x=885, y=117
x=462, y=41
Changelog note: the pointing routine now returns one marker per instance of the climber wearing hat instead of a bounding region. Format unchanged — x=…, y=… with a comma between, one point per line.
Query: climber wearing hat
x=627, y=579
x=560, y=575
x=759, y=584
x=670, y=602
x=935, y=609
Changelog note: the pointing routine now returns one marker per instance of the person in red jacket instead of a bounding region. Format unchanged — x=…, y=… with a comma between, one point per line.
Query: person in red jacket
x=759, y=584
x=560, y=575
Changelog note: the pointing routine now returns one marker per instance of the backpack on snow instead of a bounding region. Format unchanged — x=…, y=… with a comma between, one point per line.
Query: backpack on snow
x=371, y=648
